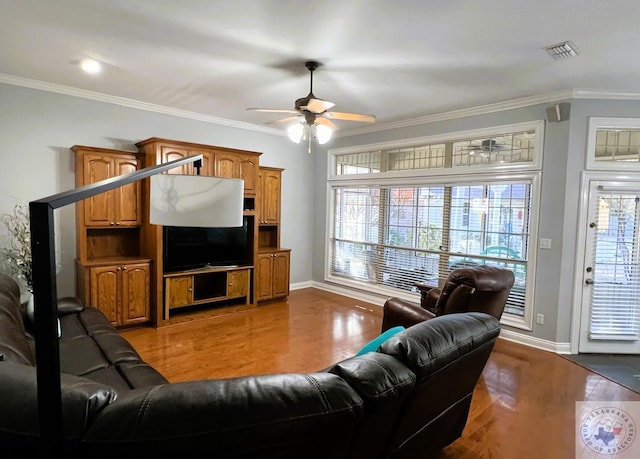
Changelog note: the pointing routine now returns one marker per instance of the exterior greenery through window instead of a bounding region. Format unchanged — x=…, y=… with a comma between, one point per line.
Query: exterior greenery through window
x=390, y=231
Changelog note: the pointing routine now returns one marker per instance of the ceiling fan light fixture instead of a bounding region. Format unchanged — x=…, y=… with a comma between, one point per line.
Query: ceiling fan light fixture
x=323, y=133
x=295, y=132
x=315, y=118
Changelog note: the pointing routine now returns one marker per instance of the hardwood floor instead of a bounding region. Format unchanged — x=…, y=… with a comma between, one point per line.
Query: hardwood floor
x=523, y=405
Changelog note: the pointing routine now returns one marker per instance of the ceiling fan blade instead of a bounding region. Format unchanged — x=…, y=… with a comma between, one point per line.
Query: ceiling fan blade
x=350, y=116
x=318, y=105
x=273, y=110
x=285, y=120
x=330, y=124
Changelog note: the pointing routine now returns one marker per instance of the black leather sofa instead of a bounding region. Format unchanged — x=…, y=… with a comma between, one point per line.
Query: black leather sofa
x=407, y=400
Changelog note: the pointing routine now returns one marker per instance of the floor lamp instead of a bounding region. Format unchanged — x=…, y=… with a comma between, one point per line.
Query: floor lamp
x=176, y=200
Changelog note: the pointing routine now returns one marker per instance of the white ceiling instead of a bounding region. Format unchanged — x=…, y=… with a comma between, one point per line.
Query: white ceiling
x=396, y=59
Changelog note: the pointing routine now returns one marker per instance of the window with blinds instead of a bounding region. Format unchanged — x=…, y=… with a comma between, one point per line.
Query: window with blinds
x=396, y=236
x=412, y=211
x=615, y=291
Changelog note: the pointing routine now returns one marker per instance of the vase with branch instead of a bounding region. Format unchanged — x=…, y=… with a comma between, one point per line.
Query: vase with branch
x=17, y=253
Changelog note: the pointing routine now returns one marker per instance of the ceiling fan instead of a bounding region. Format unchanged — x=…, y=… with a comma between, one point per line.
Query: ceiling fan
x=484, y=148
x=313, y=116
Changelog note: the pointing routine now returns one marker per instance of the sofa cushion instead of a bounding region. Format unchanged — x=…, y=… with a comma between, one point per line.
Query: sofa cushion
x=91, y=347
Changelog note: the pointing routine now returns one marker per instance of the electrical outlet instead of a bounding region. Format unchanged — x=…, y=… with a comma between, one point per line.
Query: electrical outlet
x=540, y=319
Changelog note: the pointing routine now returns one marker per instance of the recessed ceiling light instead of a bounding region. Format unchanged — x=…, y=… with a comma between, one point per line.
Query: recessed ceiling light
x=90, y=66
x=561, y=51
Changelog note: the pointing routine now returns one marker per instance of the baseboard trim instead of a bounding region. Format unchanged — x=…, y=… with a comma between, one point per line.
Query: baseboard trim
x=351, y=293
x=509, y=335
x=532, y=341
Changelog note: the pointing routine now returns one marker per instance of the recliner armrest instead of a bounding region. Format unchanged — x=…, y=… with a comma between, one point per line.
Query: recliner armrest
x=397, y=311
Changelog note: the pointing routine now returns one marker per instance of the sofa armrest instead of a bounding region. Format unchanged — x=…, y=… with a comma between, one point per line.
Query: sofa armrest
x=69, y=305
x=397, y=311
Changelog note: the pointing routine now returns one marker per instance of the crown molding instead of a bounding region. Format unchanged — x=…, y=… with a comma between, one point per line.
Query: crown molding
x=495, y=107
x=611, y=95
x=462, y=113
x=130, y=103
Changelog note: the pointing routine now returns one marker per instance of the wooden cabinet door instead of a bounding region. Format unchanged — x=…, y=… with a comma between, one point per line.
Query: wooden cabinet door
x=134, y=293
x=178, y=291
x=104, y=291
x=249, y=173
x=207, y=162
x=119, y=207
x=237, y=284
x=226, y=165
x=98, y=210
x=127, y=198
x=264, y=269
x=281, y=274
x=269, y=197
x=168, y=154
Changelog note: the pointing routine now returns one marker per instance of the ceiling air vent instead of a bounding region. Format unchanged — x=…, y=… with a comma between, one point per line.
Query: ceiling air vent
x=561, y=51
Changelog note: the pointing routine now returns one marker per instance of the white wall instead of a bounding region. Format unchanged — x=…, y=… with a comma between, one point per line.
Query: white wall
x=37, y=129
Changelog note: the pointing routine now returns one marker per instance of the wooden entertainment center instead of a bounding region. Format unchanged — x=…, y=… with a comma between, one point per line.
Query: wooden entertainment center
x=119, y=254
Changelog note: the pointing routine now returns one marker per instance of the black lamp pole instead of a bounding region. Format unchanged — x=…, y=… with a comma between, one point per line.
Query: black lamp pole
x=45, y=296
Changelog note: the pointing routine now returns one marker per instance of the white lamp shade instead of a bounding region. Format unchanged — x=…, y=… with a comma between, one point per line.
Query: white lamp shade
x=323, y=133
x=295, y=132
x=196, y=200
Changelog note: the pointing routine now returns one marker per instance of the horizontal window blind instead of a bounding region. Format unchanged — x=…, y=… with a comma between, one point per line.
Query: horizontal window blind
x=394, y=237
x=615, y=292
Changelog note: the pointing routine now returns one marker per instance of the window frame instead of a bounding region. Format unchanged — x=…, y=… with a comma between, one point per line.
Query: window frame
x=481, y=174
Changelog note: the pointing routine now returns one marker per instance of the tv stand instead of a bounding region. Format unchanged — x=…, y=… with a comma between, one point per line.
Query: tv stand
x=209, y=285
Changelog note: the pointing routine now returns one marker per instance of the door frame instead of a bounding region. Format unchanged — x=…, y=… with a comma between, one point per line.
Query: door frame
x=586, y=177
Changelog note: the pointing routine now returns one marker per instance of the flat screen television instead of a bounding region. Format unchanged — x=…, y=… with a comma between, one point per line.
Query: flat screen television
x=190, y=248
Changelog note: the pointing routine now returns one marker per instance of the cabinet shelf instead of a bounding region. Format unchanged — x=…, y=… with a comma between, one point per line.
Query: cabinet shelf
x=102, y=261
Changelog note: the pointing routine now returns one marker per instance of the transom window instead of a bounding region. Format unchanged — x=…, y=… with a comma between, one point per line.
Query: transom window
x=614, y=143
x=508, y=148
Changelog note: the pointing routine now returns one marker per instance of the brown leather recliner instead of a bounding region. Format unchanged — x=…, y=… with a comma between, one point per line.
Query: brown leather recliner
x=481, y=288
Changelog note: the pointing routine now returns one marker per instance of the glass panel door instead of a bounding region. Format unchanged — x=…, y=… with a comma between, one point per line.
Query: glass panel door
x=611, y=301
